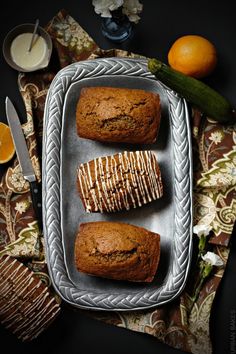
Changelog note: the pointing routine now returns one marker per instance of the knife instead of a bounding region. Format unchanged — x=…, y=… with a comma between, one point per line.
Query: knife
x=24, y=159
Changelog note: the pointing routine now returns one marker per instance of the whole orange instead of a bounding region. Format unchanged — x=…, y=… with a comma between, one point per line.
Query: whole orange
x=193, y=55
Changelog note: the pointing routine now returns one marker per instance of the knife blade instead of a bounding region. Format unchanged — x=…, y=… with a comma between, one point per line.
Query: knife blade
x=24, y=159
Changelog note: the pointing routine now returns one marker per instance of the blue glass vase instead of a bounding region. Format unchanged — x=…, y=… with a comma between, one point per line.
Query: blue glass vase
x=117, y=28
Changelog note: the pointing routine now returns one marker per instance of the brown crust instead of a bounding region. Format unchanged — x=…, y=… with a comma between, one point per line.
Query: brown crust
x=117, y=251
x=111, y=114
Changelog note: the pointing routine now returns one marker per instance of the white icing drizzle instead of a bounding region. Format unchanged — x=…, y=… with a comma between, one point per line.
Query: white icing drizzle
x=42, y=324
x=120, y=181
x=26, y=307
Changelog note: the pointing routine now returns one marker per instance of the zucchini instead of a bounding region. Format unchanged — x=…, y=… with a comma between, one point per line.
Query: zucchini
x=210, y=102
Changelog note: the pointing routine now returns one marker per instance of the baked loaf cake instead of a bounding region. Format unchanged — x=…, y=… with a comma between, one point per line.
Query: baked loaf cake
x=121, y=181
x=117, y=251
x=27, y=306
x=111, y=114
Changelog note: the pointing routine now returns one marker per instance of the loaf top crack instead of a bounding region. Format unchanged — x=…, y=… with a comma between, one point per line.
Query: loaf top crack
x=114, y=114
x=121, y=181
x=118, y=251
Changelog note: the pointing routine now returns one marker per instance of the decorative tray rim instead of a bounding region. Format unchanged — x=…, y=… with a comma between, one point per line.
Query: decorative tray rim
x=182, y=242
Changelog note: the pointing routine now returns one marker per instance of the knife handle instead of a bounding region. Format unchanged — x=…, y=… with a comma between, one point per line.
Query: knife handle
x=36, y=194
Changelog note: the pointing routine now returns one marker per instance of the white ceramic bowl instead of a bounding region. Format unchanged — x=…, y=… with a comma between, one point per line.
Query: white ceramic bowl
x=20, y=29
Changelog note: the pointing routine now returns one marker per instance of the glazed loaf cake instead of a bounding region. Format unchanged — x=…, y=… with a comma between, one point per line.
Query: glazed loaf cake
x=27, y=306
x=111, y=114
x=117, y=251
x=121, y=181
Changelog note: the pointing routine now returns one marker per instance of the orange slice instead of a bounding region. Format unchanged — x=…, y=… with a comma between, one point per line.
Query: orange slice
x=7, y=148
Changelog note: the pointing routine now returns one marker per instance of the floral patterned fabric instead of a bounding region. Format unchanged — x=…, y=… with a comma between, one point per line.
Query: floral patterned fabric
x=19, y=234
x=180, y=323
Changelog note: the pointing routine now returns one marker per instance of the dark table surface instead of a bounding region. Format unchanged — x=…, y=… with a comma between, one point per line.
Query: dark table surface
x=161, y=23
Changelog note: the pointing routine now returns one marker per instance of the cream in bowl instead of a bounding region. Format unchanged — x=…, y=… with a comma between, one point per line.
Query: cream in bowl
x=25, y=58
x=16, y=48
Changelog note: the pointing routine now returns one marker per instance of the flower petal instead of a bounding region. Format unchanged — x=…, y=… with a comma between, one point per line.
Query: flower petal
x=103, y=7
x=213, y=259
x=202, y=230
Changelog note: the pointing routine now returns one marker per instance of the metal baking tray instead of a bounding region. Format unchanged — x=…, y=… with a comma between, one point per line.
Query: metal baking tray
x=170, y=216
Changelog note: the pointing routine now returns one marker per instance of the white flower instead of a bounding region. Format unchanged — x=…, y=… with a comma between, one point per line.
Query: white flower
x=131, y=9
x=18, y=181
x=220, y=179
x=212, y=259
x=216, y=137
x=21, y=207
x=230, y=168
x=201, y=230
x=103, y=7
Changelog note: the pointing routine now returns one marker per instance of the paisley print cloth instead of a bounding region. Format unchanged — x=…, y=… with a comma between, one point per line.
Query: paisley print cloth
x=179, y=324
